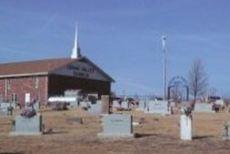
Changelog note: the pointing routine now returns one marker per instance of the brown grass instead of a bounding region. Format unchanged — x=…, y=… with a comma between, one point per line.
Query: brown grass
x=157, y=134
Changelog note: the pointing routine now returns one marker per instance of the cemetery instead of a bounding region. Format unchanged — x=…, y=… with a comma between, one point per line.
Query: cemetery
x=101, y=130
x=76, y=122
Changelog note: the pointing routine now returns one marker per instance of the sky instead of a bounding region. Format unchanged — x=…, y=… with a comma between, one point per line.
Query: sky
x=123, y=37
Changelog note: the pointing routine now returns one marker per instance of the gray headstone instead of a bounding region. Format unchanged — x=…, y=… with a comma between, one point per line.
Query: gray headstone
x=3, y=112
x=157, y=107
x=142, y=105
x=95, y=109
x=4, y=106
x=117, y=125
x=203, y=107
x=27, y=126
x=84, y=104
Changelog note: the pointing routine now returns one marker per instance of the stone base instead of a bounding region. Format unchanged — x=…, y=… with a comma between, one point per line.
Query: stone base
x=25, y=134
x=102, y=135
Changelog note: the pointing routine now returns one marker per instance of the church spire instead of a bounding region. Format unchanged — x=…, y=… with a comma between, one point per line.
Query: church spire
x=76, y=51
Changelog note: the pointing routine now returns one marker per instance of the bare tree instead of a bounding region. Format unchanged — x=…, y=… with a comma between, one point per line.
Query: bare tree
x=212, y=91
x=198, y=80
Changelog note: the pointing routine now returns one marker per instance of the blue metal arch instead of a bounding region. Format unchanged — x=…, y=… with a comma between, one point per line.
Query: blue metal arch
x=178, y=81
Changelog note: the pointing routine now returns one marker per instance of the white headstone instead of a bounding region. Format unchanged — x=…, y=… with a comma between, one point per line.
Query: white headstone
x=125, y=105
x=157, y=107
x=185, y=127
x=203, y=107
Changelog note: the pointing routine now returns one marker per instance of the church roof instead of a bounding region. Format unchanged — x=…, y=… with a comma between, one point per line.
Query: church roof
x=39, y=67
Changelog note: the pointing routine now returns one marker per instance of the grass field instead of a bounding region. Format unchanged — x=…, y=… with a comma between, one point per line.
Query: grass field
x=157, y=134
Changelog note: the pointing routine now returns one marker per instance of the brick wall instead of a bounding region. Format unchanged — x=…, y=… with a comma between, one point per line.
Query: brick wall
x=22, y=85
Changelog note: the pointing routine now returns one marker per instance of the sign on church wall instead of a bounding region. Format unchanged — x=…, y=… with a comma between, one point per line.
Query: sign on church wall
x=81, y=70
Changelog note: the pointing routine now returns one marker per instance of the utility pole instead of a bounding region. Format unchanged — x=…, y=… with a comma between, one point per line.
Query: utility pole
x=163, y=39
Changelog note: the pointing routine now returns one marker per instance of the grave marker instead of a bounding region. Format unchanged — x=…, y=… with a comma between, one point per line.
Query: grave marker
x=142, y=105
x=6, y=108
x=186, y=124
x=125, y=105
x=27, y=126
x=185, y=127
x=203, y=107
x=117, y=125
x=157, y=107
x=95, y=109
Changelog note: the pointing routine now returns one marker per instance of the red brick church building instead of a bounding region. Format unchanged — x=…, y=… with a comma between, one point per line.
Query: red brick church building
x=44, y=78
x=41, y=79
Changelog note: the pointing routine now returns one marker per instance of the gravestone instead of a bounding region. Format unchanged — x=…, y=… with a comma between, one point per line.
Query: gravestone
x=116, y=104
x=185, y=127
x=203, y=107
x=3, y=111
x=157, y=107
x=105, y=101
x=27, y=126
x=95, y=109
x=117, y=125
x=125, y=105
x=85, y=104
x=142, y=105
x=186, y=123
x=6, y=108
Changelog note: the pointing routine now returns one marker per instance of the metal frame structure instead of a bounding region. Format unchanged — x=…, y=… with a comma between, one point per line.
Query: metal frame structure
x=176, y=81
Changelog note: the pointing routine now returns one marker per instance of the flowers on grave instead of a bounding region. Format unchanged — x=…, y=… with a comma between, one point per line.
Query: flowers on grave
x=186, y=111
x=226, y=131
x=28, y=112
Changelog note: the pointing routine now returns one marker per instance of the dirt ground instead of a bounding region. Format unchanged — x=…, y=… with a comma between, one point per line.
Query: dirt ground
x=157, y=134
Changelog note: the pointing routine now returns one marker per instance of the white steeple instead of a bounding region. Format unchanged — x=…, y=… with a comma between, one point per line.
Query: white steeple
x=76, y=51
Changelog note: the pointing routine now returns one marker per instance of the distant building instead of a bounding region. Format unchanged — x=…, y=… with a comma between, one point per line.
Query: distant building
x=41, y=79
